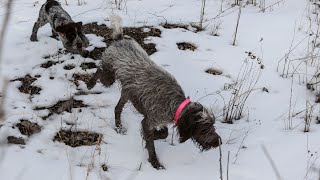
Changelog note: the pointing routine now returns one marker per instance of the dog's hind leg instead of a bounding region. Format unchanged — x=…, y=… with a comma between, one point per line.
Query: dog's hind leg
x=42, y=20
x=148, y=136
x=117, y=111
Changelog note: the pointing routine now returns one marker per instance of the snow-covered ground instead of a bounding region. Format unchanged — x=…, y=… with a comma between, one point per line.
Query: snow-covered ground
x=268, y=35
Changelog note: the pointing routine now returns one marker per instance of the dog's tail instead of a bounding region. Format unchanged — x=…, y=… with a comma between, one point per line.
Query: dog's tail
x=116, y=26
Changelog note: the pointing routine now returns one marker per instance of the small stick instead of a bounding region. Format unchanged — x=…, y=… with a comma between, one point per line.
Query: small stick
x=235, y=34
x=220, y=160
x=228, y=165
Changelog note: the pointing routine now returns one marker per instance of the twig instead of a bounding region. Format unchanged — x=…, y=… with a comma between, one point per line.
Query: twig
x=236, y=32
x=228, y=165
x=220, y=160
x=240, y=147
x=263, y=9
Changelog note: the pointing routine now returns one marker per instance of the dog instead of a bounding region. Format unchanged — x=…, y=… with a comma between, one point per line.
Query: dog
x=154, y=93
x=70, y=32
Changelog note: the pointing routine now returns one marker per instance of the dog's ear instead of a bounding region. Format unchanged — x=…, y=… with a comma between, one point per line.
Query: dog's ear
x=61, y=29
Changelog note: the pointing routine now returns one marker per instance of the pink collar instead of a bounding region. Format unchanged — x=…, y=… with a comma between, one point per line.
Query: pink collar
x=180, y=108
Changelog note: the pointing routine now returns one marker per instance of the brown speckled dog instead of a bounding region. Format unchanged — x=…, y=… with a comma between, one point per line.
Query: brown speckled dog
x=62, y=25
x=154, y=93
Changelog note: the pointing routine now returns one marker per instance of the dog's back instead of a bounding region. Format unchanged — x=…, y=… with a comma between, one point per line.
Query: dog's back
x=141, y=79
x=53, y=11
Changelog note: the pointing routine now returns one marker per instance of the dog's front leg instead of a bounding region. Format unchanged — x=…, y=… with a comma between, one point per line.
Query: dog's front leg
x=84, y=39
x=148, y=136
x=117, y=111
x=54, y=35
x=40, y=22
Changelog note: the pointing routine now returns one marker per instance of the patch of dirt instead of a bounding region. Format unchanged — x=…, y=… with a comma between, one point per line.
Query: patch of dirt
x=78, y=138
x=62, y=106
x=81, y=77
x=214, y=71
x=186, y=46
x=192, y=27
x=50, y=63
x=138, y=33
x=69, y=66
x=28, y=128
x=175, y=26
x=60, y=51
x=81, y=93
x=27, y=86
x=16, y=140
x=88, y=65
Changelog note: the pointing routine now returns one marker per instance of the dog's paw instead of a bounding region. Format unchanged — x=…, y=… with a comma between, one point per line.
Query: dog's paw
x=33, y=38
x=157, y=165
x=121, y=130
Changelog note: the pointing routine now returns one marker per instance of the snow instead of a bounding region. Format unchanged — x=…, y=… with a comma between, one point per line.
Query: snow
x=294, y=152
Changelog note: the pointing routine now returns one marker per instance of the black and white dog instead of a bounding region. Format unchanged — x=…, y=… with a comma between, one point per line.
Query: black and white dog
x=154, y=93
x=62, y=25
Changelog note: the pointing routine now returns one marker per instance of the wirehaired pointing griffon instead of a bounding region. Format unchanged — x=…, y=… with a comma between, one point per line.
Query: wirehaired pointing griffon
x=154, y=93
x=62, y=25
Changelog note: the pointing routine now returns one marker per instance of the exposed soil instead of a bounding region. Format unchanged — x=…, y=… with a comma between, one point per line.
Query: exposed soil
x=28, y=128
x=138, y=33
x=88, y=65
x=175, y=26
x=62, y=106
x=77, y=138
x=214, y=71
x=192, y=27
x=50, y=63
x=15, y=140
x=81, y=93
x=69, y=66
x=60, y=51
x=186, y=46
x=81, y=77
x=27, y=86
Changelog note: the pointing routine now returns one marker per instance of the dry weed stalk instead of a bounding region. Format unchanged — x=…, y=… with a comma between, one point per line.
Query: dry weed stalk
x=248, y=76
x=203, y=6
x=236, y=31
x=120, y=4
x=220, y=162
x=305, y=69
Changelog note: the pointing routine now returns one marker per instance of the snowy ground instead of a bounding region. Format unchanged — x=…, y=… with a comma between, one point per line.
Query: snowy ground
x=294, y=152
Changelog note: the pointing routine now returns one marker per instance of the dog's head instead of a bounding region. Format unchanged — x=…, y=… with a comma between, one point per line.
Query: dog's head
x=73, y=37
x=196, y=122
